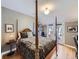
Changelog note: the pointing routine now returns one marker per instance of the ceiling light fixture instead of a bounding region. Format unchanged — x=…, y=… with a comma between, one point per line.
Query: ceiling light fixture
x=46, y=11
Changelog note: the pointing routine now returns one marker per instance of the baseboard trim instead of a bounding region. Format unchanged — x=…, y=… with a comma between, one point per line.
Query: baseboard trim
x=69, y=46
x=6, y=52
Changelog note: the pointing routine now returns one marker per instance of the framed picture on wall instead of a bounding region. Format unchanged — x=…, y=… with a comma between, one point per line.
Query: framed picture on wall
x=9, y=28
x=72, y=29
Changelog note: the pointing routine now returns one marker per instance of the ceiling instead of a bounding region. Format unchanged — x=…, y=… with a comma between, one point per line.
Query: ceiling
x=65, y=10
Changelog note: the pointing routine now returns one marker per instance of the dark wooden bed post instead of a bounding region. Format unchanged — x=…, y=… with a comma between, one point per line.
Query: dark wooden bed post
x=16, y=29
x=56, y=34
x=36, y=40
x=16, y=34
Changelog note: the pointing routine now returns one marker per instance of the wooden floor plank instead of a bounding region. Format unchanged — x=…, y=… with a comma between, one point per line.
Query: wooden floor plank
x=15, y=56
x=64, y=53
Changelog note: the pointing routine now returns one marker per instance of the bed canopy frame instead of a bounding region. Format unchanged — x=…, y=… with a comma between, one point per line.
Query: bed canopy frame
x=37, y=40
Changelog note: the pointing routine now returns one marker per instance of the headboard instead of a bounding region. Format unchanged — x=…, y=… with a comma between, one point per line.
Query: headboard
x=26, y=30
x=23, y=35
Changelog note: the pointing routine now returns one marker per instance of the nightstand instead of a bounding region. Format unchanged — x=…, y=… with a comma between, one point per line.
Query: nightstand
x=11, y=43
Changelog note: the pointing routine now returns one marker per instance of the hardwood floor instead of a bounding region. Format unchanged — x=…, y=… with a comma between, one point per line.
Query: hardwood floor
x=63, y=53
x=15, y=56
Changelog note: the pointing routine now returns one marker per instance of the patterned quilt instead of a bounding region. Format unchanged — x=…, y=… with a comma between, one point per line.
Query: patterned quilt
x=27, y=47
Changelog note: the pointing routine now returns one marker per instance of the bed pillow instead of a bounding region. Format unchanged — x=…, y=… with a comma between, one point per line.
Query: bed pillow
x=19, y=36
x=30, y=34
x=23, y=34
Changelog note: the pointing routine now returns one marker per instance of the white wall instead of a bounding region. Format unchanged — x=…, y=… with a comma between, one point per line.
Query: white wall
x=69, y=35
x=9, y=17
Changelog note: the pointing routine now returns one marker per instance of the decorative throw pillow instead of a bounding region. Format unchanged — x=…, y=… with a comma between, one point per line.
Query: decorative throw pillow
x=30, y=34
x=24, y=35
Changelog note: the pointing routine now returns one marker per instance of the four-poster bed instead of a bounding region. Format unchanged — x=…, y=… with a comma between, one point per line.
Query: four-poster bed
x=32, y=47
x=28, y=49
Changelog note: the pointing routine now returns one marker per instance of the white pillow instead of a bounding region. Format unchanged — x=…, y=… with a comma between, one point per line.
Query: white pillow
x=19, y=35
x=29, y=34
